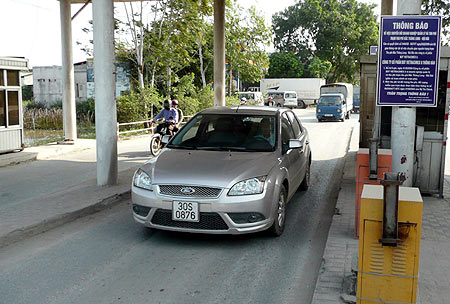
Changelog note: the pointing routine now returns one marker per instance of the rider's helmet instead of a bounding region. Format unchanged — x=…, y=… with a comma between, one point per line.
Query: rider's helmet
x=167, y=104
x=243, y=100
x=174, y=102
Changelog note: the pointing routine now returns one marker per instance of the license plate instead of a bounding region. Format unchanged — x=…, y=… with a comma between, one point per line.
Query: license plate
x=328, y=115
x=185, y=211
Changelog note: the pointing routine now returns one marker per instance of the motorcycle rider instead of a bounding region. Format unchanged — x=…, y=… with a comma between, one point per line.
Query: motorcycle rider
x=170, y=115
x=180, y=114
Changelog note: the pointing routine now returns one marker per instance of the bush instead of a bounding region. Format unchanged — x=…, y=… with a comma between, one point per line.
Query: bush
x=43, y=119
x=86, y=110
x=137, y=105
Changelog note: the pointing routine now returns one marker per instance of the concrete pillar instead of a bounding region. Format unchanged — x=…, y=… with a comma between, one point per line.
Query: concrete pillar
x=403, y=126
x=219, y=52
x=105, y=88
x=68, y=90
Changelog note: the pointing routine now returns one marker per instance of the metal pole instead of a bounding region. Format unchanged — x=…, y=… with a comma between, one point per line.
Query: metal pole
x=404, y=118
x=387, y=8
x=444, y=144
x=105, y=88
x=68, y=96
x=219, y=52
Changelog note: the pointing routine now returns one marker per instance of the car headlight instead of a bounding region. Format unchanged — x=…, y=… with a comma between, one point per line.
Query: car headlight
x=318, y=110
x=249, y=186
x=142, y=180
x=339, y=110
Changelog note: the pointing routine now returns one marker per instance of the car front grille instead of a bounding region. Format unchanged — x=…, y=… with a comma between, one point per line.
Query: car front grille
x=208, y=221
x=189, y=191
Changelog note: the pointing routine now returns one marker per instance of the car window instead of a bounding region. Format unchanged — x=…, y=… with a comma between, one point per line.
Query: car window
x=291, y=95
x=286, y=130
x=295, y=124
x=228, y=132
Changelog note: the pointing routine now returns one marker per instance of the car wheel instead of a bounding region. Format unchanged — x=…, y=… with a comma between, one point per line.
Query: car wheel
x=278, y=104
x=320, y=120
x=155, y=145
x=305, y=183
x=343, y=118
x=278, y=225
x=302, y=104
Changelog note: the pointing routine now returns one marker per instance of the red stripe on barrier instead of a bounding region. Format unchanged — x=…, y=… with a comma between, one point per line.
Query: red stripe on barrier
x=446, y=116
x=448, y=85
x=444, y=143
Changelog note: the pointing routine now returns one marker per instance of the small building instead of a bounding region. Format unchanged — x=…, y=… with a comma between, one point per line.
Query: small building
x=11, y=116
x=47, y=83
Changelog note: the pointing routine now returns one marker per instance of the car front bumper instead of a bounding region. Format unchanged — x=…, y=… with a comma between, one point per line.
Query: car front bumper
x=217, y=208
x=330, y=116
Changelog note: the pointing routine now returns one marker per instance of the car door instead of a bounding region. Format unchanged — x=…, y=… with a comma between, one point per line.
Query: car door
x=290, y=155
x=304, y=151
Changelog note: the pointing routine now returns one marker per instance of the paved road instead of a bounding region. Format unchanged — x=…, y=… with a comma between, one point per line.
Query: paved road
x=107, y=258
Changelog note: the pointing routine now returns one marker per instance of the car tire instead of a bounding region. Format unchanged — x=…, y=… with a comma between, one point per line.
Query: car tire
x=301, y=104
x=306, y=180
x=279, y=105
x=320, y=120
x=279, y=220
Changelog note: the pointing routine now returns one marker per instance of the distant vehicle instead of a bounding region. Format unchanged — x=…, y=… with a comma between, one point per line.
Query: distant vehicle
x=286, y=99
x=229, y=170
x=307, y=89
x=336, y=102
x=356, y=98
x=253, y=98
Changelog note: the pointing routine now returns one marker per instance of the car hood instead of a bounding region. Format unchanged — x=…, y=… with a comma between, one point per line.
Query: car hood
x=209, y=168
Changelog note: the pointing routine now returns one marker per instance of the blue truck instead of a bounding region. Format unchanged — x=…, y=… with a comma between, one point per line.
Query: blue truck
x=335, y=102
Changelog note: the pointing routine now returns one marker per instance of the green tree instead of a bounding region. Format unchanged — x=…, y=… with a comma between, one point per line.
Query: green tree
x=441, y=8
x=247, y=37
x=337, y=31
x=285, y=65
x=318, y=68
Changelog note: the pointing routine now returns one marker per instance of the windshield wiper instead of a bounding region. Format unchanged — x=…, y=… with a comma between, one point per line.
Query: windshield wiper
x=182, y=147
x=223, y=148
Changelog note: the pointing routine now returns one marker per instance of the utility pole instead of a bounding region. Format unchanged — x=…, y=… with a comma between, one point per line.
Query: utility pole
x=219, y=53
x=403, y=124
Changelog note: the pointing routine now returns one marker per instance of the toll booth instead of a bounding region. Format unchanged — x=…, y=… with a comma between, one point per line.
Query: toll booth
x=11, y=116
x=432, y=124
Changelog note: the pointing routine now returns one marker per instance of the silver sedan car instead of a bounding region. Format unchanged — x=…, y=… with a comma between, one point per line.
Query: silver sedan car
x=229, y=170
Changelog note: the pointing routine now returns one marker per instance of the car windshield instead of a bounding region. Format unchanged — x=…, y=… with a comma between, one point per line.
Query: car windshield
x=246, y=95
x=329, y=100
x=227, y=132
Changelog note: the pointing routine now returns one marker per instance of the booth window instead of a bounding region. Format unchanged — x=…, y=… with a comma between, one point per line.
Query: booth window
x=2, y=109
x=13, y=108
x=13, y=78
x=2, y=81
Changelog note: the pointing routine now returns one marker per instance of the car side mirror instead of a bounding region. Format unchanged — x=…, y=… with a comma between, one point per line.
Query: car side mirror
x=165, y=139
x=295, y=144
x=344, y=102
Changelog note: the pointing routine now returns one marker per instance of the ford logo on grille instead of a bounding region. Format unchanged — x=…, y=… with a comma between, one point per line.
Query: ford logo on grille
x=187, y=190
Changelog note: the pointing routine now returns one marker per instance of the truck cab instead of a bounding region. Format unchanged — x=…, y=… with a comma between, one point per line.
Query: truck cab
x=330, y=107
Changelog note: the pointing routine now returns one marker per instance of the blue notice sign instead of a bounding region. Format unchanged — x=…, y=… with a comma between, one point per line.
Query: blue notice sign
x=408, y=61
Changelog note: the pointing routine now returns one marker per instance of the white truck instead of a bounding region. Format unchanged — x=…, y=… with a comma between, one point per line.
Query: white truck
x=308, y=89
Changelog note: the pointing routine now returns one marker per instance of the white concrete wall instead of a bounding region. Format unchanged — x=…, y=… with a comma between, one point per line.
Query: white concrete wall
x=47, y=85
x=80, y=82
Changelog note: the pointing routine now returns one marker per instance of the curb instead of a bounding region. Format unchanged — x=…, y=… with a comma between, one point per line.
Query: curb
x=59, y=220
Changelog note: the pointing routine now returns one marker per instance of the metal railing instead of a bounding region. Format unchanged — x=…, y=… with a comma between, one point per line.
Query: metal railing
x=150, y=129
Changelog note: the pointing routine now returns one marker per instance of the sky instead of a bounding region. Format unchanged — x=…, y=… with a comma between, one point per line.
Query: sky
x=31, y=28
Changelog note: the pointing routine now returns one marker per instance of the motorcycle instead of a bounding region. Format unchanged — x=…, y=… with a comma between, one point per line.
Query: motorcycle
x=156, y=142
